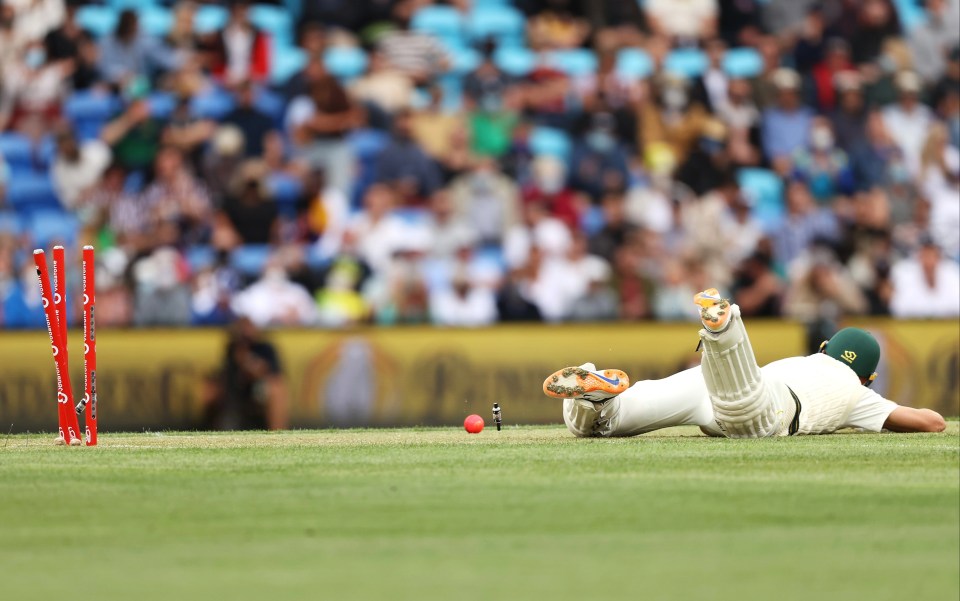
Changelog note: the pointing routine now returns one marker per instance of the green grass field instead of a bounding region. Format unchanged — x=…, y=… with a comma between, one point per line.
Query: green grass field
x=527, y=513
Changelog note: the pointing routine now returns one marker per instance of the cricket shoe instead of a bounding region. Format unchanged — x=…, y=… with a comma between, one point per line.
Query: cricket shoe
x=714, y=310
x=587, y=383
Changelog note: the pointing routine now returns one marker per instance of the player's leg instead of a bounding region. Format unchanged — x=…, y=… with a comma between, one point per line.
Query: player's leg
x=680, y=399
x=745, y=405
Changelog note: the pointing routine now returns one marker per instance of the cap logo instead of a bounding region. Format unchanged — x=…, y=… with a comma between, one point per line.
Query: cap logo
x=849, y=356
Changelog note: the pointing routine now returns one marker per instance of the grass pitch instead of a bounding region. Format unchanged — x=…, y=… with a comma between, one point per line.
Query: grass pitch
x=527, y=513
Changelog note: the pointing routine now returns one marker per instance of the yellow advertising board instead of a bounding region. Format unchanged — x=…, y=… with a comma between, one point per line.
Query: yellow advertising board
x=919, y=362
x=152, y=379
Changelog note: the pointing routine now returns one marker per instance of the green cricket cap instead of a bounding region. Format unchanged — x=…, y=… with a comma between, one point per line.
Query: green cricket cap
x=856, y=348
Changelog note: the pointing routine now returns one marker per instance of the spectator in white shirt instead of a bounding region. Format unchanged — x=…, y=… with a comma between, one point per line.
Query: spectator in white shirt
x=77, y=167
x=683, y=19
x=463, y=304
x=926, y=286
x=274, y=300
x=908, y=119
x=941, y=185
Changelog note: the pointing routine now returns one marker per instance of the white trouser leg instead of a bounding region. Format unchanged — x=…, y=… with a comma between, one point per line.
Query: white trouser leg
x=744, y=404
x=648, y=405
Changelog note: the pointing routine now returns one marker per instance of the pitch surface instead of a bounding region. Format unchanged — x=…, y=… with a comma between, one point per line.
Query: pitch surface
x=527, y=513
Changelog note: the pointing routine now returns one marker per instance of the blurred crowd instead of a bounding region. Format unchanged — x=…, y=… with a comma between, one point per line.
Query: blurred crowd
x=463, y=163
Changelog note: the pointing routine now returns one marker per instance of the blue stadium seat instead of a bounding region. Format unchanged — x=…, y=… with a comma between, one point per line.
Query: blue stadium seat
x=122, y=4
x=17, y=152
x=50, y=226
x=765, y=189
x=514, y=60
x=89, y=111
x=443, y=22
x=575, y=62
x=154, y=20
x=316, y=260
x=10, y=223
x=686, y=62
x=162, y=104
x=633, y=63
x=250, y=259
x=270, y=103
x=550, y=141
x=286, y=62
x=210, y=18
x=742, y=63
x=98, y=20
x=201, y=257
x=910, y=12
x=274, y=20
x=30, y=192
x=286, y=192
x=505, y=24
x=345, y=62
x=463, y=60
x=367, y=143
x=212, y=105
x=452, y=86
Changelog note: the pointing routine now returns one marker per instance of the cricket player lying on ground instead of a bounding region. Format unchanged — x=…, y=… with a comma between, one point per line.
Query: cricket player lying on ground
x=730, y=395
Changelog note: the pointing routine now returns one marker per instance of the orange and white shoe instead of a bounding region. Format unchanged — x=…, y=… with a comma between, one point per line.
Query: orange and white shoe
x=714, y=310
x=586, y=382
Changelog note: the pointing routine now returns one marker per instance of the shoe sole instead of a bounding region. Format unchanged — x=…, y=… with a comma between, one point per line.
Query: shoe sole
x=715, y=317
x=572, y=382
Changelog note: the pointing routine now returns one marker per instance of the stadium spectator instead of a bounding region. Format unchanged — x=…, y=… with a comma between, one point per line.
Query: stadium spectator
x=786, y=127
x=708, y=164
x=249, y=212
x=34, y=86
x=822, y=165
x=926, y=285
x=77, y=166
x=161, y=287
x=907, y=120
x=417, y=54
x=822, y=290
x=599, y=162
x=385, y=87
x=486, y=199
x=804, y=223
x=177, y=198
x=932, y=40
x=129, y=54
x=940, y=183
x=849, y=116
x=878, y=161
x=486, y=85
x=252, y=122
x=135, y=136
x=405, y=167
x=877, y=21
x=239, y=52
x=685, y=20
x=673, y=117
x=711, y=88
x=274, y=300
x=463, y=304
x=317, y=124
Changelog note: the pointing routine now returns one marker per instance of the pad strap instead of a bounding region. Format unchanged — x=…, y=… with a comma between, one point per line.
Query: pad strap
x=795, y=424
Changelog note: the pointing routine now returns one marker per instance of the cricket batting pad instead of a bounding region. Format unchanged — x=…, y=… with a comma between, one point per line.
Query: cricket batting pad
x=741, y=405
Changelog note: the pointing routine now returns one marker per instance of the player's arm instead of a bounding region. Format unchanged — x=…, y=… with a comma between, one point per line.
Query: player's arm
x=908, y=419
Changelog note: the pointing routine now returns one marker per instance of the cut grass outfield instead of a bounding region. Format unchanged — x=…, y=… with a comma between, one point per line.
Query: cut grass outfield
x=527, y=513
